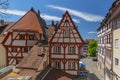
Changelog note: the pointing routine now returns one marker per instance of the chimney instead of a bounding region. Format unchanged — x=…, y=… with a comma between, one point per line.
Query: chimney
x=2, y=22
x=32, y=9
x=57, y=23
x=38, y=12
x=52, y=23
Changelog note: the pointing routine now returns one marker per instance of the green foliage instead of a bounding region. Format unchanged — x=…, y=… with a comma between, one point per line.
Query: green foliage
x=92, y=48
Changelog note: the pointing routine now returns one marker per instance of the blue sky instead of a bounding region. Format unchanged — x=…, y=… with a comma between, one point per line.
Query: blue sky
x=87, y=14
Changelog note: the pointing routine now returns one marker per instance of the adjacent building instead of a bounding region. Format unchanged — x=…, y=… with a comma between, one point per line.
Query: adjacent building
x=23, y=35
x=65, y=46
x=104, y=64
x=84, y=48
x=26, y=47
x=115, y=10
x=108, y=43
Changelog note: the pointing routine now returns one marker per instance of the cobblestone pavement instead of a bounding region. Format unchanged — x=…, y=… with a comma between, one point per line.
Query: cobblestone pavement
x=91, y=67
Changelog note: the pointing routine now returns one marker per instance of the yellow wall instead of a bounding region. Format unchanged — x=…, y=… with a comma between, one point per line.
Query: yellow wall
x=2, y=53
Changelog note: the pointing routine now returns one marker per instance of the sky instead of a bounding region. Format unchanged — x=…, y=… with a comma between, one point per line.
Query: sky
x=86, y=14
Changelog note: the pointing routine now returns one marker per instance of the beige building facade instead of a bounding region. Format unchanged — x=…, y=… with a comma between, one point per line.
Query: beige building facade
x=116, y=55
x=109, y=33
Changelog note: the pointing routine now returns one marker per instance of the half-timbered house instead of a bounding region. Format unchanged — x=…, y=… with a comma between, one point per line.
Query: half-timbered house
x=65, y=46
x=22, y=35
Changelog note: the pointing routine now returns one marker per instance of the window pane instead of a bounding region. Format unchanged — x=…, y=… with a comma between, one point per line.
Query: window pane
x=116, y=61
x=71, y=65
x=22, y=36
x=72, y=50
x=66, y=34
x=14, y=49
x=116, y=43
x=57, y=49
x=31, y=37
x=57, y=65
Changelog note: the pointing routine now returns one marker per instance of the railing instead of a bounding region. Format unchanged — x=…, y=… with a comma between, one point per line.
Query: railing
x=5, y=71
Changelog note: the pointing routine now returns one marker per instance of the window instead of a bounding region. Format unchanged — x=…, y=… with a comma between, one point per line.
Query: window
x=66, y=34
x=72, y=49
x=109, y=38
x=71, y=65
x=116, y=43
x=57, y=65
x=31, y=37
x=116, y=61
x=117, y=24
x=22, y=36
x=25, y=49
x=18, y=60
x=14, y=49
x=57, y=49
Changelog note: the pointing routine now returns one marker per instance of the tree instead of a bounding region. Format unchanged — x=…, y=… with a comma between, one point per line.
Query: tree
x=92, y=48
x=3, y=7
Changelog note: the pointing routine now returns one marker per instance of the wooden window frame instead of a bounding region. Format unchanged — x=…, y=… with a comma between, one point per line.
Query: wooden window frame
x=66, y=34
x=71, y=65
x=57, y=64
x=57, y=49
x=72, y=50
x=31, y=37
x=116, y=62
x=14, y=49
x=22, y=36
x=25, y=49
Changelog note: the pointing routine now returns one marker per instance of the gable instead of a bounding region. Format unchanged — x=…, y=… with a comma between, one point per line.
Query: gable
x=66, y=31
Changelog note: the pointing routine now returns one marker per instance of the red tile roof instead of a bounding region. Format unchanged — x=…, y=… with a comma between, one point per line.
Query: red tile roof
x=32, y=60
x=55, y=74
x=31, y=21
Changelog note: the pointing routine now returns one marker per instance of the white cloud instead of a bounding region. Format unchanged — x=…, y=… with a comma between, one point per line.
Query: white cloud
x=92, y=32
x=84, y=15
x=13, y=12
x=44, y=16
x=55, y=18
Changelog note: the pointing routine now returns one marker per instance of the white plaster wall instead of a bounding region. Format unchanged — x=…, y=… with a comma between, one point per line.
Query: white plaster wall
x=71, y=56
x=31, y=42
x=76, y=50
x=66, y=39
x=72, y=40
x=8, y=41
x=15, y=34
x=62, y=50
x=60, y=40
x=19, y=42
x=62, y=66
x=72, y=72
x=76, y=35
x=78, y=40
x=57, y=56
x=54, y=40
